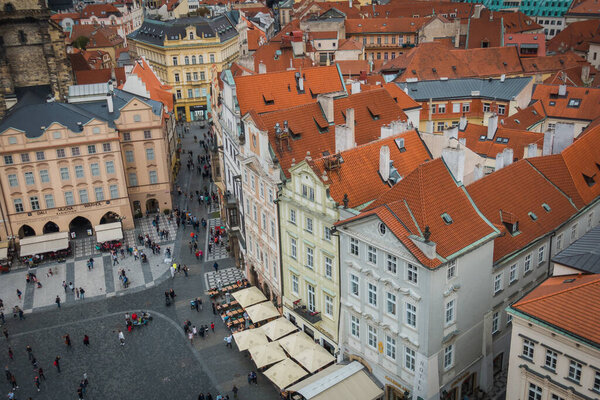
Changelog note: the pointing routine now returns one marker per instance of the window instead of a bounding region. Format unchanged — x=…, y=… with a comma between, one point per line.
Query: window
x=95, y=169
x=328, y=305
x=409, y=358
x=559, y=241
x=551, y=358
x=354, y=246
x=573, y=232
x=541, y=255
x=575, y=371
x=176, y=78
x=310, y=259
x=527, y=263
x=8, y=160
x=372, y=293
x=133, y=179
x=149, y=154
x=534, y=393
x=355, y=326
x=528, y=348
x=310, y=294
x=13, y=181
x=597, y=382
x=202, y=76
x=105, y=147
x=69, y=198
x=372, y=254
x=441, y=108
x=60, y=153
x=64, y=173
x=501, y=109
x=449, y=356
x=91, y=149
x=79, y=171
x=272, y=228
x=411, y=315
x=174, y=60
x=328, y=267
x=326, y=233
x=455, y=107
x=293, y=248
x=195, y=75
x=508, y=319
x=212, y=58
x=34, y=202
x=440, y=126
x=110, y=167
x=18, y=205
x=450, y=311
x=24, y=157
x=99, y=193
x=486, y=107
x=153, y=177
x=498, y=283
x=354, y=284
x=390, y=347
x=200, y=59
x=295, y=284
x=114, y=191
x=129, y=156
x=264, y=220
x=292, y=216
x=126, y=136
x=188, y=76
x=466, y=107
x=44, y=176
x=590, y=220
x=29, y=179
x=391, y=303
x=83, y=196
x=309, y=224
x=495, y=322
x=512, y=276
x=372, y=336
x=574, y=103
x=451, y=272
x=261, y=190
x=190, y=93
x=412, y=274
x=40, y=156
x=308, y=193
x=557, y=397
x=392, y=264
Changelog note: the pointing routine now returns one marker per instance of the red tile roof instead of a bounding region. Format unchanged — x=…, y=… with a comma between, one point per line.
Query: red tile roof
x=572, y=77
x=558, y=107
x=575, y=34
x=404, y=100
x=419, y=201
x=383, y=25
x=421, y=8
x=585, y=7
x=526, y=118
x=323, y=35
x=311, y=132
x=518, y=139
x=554, y=168
x=277, y=90
x=100, y=11
x=353, y=67
x=78, y=62
x=570, y=303
x=502, y=193
x=349, y=44
x=99, y=76
x=100, y=36
x=557, y=62
x=60, y=16
x=358, y=175
x=157, y=90
x=256, y=38
x=267, y=54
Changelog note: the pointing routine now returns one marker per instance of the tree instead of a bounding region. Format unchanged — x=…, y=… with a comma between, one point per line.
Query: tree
x=81, y=42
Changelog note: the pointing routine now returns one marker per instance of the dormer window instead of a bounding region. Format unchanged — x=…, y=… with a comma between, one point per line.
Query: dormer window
x=447, y=218
x=191, y=35
x=546, y=207
x=589, y=180
x=574, y=103
x=532, y=216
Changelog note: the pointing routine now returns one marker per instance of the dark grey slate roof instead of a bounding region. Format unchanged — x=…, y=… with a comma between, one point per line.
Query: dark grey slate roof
x=466, y=88
x=583, y=254
x=31, y=118
x=155, y=32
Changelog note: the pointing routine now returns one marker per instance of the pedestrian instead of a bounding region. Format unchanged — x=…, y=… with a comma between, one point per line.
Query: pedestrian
x=20, y=312
x=10, y=353
x=86, y=340
x=172, y=294
x=67, y=340
x=34, y=363
x=82, y=386
x=209, y=396
x=7, y=373
x=29, y=352
x=77, y=292
x=212, y=326
x=201, y=396
x=82, y=293
x=121, y=338
x=36, y=382
x=214, y=308
x=235, y=391
x=216, y=267
x=249, y=377
x=191, y=337
x=71, y=286
x=5, y=332
x=85, y=380
x=41, y=373
x=80, y=393
x=13, y=381
x=197, y=304
x=57, y=301
x=11, y=395
x=228, y=341
x=57, y=363
x=185, y=270
x=19, y=293
x=64, y=285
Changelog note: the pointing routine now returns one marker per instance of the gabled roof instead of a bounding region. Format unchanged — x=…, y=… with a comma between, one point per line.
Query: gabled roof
x=278, y=90
x=563, y=107
x=404, y=100
x=584, y=7
x=358, y=174
x=420, y=200
x=515, y=139
x=353, y=67
x=553, y=63
x=310, y=131
x=502, y=193
x=570, y=303
x=103, y=75
x=583, y=254
x=99, y=36
x=78, y=62
x=574, y=34
x=60, y=16
x=526, y=118
x=383, y=25
x=349, y=44
x=154, y=86
x=99, y=11
x=275, y=57
x=395, y=9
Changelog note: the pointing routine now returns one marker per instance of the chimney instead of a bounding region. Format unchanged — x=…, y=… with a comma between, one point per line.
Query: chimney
x=462, y=123
x=109, y=102
x=585, y=73
x=548, y=142
x=350, y=3
x=344, y=139
x=355, y=87
x=301, y=85
x=499, y=161
x=564, y=134
x=384, y=163
x=502, y=77
x=530, y=151
x=386, y=131
x=399, y=127
x=562, y=90
x=492, y=126
x=477, y=172
x=262, y=68
x=508, y=156
x=350, y=123
x=455, y=160
x=429, y=127
x=326, y=102
x=463, y=141
x=451, y=133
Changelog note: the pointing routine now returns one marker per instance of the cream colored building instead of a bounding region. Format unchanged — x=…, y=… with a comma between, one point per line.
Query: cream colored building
x=70, y=167
x=182, y=52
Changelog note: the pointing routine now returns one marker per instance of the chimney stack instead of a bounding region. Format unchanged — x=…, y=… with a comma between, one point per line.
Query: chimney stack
x=499, y=161
x=492, y=126
x=455, y=160
x=585, y=73
x=109, y=102
x=530, y=151
x=564, y=134
x=508, y=156
x=386, y=131
x=326, y=102
x=384, y=163
x=462, y=123
x=477, y=172
x=355, y=87
x=350, y=123
x=562, y=90
x=262, y=68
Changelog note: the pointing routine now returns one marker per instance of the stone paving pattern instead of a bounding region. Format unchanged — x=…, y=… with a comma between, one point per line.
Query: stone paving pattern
x=227, y=276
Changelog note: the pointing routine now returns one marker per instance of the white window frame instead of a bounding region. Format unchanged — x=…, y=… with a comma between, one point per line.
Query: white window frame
x=451, y=270
x=295, y=284
x=371, y=254
x=293, y=248
x=328, y=267
x=355, y=326
x=410, y=315
x=390, y=347
x=371, y=336
x=450, y=312
x=372, y=294
x=391, y=304
x=392, y=264
x=354, y=285
x=551, y=359
x=513, y=274
x=528, y=350
x=498, y=282
x=495, y=322
x=354, y=246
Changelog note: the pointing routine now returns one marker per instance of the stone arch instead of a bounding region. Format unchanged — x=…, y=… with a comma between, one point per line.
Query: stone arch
x=50, y=227
x=80, y=226
x=152, y=205
x=25, y=231
x=110, y=217
x=266, y=290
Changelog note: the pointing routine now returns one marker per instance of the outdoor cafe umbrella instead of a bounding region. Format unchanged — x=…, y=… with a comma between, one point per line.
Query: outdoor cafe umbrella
x=284, y=373
x=304, y=350
x=249, y=296
x=267, y=354
x=278, y=328
x=262, y=311
x=250, y=338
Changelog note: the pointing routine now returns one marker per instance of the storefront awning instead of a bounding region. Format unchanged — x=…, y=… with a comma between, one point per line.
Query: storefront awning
x=284, y=373
x=348, y=382
x=250, y=338
x=262, y=311
x=278, y=328
x=267, y=354
x=3, y=250
x=303, y=349
x=108, y=232
x=249, y=296
x=32, y=245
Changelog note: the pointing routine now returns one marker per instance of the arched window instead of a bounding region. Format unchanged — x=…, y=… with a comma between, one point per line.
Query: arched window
x=186, y=60
x=200, y=59
x=193, y=59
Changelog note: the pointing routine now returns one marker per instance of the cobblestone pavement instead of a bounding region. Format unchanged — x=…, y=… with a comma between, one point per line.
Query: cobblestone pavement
x=227, y=276
x=217, y=252
x=157, y=361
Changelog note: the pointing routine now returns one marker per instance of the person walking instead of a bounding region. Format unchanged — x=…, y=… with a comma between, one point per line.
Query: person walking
x=214, y=308
x=86, y=340
x=29, y=352
x=191, y=337
x=7, y=373
x=81, y=293
x=64, y=285
x=67, y=340
x=19, y=293
x=235, y=391
x=121, y=338
x=228, y=341
x=77, y=292
x=57, y=363
x=36, y=382
x=216, y=267
x=13, y=381
x=57, y=301
x=10, y=353
x=5, y=332
x=185, y=270
x=41, y=373
x=212, y=326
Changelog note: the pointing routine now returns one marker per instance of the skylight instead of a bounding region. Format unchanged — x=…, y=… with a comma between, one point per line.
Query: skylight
x=532, y=216
x=447, y=219
x=546, y=207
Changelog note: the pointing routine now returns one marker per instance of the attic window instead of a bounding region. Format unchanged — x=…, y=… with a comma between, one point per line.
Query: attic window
x=517, y=121
x=374, y=113
x=322, y=127
x=589, y=180
x=483, y=138
x=447, y=218
x=574, y=103
x=546, y=207
x=552, y=103
x=505, y=140
x=400, y=144
x=498, y=139
x=268, y=99
x=570, y=280
x=532, y=216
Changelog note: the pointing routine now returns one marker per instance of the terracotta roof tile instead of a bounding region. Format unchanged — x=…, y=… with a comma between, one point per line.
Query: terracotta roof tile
x=526, y=118
x=256, y=38
x=353, y=67
x=404, y=100
x=99, y=76
x=554, y=168
x=570, y=303
x=100, y=36
x=502, y=192
x=157, y=90
x=515, y=139
x=277, y=90
x=99, y=10
x=558, y=107
x=383, y=25
x=573, y=35
x=349, y=44
x=323, y=35
x=78, y=62
x=358, y=174
x=422, y=8
x=60, y=16
x=553, y=63
x=267, y=54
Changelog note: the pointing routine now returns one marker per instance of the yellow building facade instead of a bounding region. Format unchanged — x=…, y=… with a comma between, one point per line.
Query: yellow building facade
x=183, y=52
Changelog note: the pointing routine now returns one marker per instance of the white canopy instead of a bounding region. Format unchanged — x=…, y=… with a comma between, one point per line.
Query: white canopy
x=278, y=328
x=3, y=250
x=44, y=243
x=304, y=350
x=249, y=296
x=108, y=232
x=285, y=373
x=262, y=311
x=267, y=354
x=250, y=338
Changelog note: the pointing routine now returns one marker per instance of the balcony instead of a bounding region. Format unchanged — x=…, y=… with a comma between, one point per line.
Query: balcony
x=304, y=312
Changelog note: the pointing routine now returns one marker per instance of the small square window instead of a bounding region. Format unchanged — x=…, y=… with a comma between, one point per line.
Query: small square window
x=91, y=149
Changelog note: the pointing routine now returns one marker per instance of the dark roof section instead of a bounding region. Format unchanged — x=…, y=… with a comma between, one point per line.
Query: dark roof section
x=155, y=32
x=30, y=118
x=583, y=254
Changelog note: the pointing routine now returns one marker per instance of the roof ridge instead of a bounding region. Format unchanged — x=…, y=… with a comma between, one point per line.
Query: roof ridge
x=569, y=289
